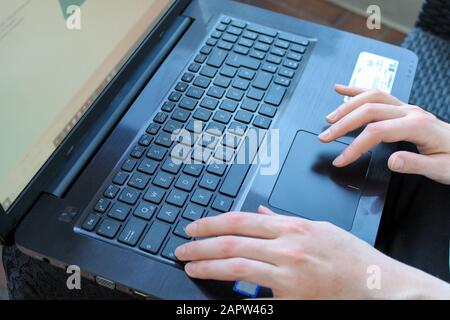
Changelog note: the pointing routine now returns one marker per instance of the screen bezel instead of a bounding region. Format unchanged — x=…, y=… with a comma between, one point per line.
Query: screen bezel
x=74, y=144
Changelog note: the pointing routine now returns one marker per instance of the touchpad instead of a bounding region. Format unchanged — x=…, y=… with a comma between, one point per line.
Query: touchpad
x=311, y=187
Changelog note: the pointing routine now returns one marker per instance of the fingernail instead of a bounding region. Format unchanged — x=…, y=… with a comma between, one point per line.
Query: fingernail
x=398, y=164
x=191, y=228
x=190, y=268
x=325, y=134
x=180, y=251
x=332, y=115
x=338, y=161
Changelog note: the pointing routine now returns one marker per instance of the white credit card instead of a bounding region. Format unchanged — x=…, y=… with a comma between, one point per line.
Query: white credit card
x=374, y=72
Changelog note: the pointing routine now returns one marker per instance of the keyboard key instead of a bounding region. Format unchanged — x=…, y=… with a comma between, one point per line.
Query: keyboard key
x=216, y=92
x=222, y=117
x=263, y=30
x=250, y=35
x=255, y=94
x=164, y=139
x=247, y=74
x=180, y=229
x=263, y=80
x=224, y=45
x=291, y=64
x=269, y=67
x=195, y=92
x=111, y=191
x=132, y=231
x=235, y=94
x=201, y=197
x=194, y=67
x=261, y=47
x=257, y=54
x=128, y=165
x=108, y=228
x=210, y=103
x=120, y=178
x=215, y=128
x=201, y=82
x=295, y=39
x=102, y=205
x=169, y=250
x=188, y=103
x=173, y=126
x=235, y=31
x=188, y=77
x=266, y=39
x=285, y=82
x=193, y=169
x=298, y=48
x=295, y=56
x=241, y=84
x=201, y=155
x=91, y=222
x=275, y=95
x=231, y=141
x=241, y=50
x=193, y=212
x=234, y=179
x=274, y=59
x=195, y=126
x=221, y=27
x=163, y=180
x=237, y=128
x=278, y=52
x=156, y=153
x=228, y=105
x=175, y=96
x=171, y=167
x=237, y=60
x=168, y=213
x=244, y=116
x=217, y=168
x=185, y=183
x=262, y=122
x=145, y=140
x=228, y=71
x=138, y=181
x=148, y=166
x=181, y=151
x=218, y=56
x=222, y=203
x=206, y=50
x=153, y=128
x=155, y=237
x=180, y=115
x=209, y=182
x=154, y=195
x=129, y=196
x=177, y=197
x=216, y=34
x=222, y=81
x=239, y=24
x=282, y=44
x=137, y=152
x=213, y=213
x=181, y=87
x=209, y=141
x=286, y=73
x=208, y=71
x=202, y=114
x=267, y=111
x=145, y=210
x=250, y=105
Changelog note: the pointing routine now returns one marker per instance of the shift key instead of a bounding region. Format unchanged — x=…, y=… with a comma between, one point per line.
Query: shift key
x=132, y=231
x=155, y=237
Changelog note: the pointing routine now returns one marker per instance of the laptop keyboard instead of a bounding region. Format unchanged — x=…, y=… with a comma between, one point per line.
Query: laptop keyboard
x=234, y=85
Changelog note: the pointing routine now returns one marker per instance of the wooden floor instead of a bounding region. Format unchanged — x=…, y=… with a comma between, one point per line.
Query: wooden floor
x=323, y=12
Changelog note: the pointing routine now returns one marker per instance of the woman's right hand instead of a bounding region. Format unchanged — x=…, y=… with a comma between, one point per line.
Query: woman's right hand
x=387, y=120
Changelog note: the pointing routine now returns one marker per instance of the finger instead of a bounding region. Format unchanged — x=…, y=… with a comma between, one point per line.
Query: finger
x=370, y=96
x=377, y=132
x=226, y=247
x=348, y=91
x=236, y=223
x=370, y=112
x=414, y=163
x=264, y=210
x=235, y=269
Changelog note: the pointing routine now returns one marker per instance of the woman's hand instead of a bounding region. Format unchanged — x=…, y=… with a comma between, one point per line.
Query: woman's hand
x=298, y=259
x=390, y=120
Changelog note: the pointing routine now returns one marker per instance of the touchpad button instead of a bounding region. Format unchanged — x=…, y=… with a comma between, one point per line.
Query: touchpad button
x=311, y=187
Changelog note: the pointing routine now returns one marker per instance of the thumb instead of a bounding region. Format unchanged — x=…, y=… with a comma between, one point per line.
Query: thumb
x=409, y=162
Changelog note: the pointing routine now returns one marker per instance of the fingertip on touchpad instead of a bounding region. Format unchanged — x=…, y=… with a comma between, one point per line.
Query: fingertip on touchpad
x=311, y=187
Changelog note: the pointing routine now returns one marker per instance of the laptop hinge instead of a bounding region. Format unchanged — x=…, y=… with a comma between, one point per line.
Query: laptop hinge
x=150, y=64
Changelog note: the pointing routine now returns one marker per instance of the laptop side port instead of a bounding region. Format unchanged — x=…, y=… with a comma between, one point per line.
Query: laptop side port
x=140, y=294
x=105, y=282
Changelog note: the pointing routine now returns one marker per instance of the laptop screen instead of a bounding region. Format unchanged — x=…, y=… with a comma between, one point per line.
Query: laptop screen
x=55, y=58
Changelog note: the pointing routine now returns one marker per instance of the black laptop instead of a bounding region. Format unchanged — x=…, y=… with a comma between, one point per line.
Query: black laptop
x=121, y=125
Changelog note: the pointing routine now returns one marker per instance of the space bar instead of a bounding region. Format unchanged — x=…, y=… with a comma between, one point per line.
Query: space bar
x=234, y=179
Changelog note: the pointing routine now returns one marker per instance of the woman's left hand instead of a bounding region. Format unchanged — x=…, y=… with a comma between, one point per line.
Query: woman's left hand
x=296, y=258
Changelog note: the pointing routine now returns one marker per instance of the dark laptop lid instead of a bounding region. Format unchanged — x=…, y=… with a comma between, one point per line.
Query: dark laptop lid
x=58, y=63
